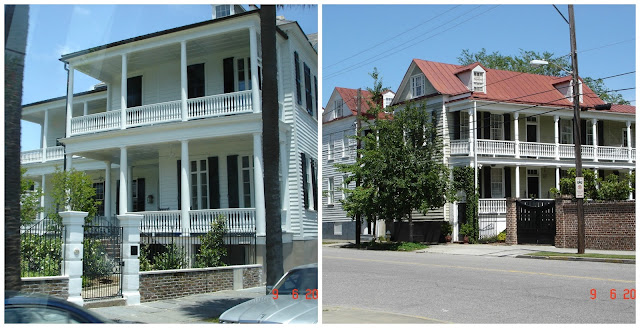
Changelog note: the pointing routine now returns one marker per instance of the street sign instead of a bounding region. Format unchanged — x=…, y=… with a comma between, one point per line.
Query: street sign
x=579, y=187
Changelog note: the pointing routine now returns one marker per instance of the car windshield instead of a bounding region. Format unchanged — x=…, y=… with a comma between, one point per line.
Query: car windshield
x=300, y=279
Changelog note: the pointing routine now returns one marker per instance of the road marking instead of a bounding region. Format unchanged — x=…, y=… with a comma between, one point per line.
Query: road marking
x=334, y=308
x=480, y=269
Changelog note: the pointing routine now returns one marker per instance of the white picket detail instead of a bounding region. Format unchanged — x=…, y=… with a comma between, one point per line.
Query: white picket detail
x=154, y=113
x=237, y=219
x=537, y=149
x=95, y=122
x=160, y=221
x=492, y=205
x=218, y=105
x=460, y=147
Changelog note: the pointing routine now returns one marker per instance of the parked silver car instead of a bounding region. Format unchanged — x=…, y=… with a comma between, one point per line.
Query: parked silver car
x=293, y=299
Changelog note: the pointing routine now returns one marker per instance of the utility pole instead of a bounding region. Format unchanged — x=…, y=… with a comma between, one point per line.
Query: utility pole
x=358, y=126
x=577, y=134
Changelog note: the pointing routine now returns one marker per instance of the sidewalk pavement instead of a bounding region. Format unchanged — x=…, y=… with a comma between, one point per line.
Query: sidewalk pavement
x=189, y=309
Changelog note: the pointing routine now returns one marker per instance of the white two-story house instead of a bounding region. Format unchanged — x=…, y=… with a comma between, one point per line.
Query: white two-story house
x=338, y=146
x=174, y=130
x=515, y=130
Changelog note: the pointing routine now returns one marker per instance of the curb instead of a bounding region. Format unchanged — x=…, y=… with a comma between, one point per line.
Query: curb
x=573, y=258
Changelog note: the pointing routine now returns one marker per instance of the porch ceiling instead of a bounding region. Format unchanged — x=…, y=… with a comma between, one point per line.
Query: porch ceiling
x=109, y=69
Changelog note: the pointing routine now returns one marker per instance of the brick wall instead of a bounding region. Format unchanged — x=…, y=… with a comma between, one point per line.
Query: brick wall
x=608, y=225
x=55, y=286
x=512, y=222
x=167, y=284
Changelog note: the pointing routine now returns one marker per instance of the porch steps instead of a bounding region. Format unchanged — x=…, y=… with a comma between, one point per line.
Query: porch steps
x=104, y=303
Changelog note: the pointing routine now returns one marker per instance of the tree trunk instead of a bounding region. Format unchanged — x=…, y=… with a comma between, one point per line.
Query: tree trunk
x=410, y=227
x=358, y=229
x=16, y=20
x=271, y=145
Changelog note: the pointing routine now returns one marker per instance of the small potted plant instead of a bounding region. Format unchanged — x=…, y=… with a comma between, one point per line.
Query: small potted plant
x=445, y=230
x=466, y=230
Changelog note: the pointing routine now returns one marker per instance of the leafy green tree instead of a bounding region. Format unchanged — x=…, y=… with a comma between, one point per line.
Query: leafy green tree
x=610, y=188
x=614, y=188
x=212, y=248
x=520, y=63
x=74, y=189
x=568, y=183
x=29, y=199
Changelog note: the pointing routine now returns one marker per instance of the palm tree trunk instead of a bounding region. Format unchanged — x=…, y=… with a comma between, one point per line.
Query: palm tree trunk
x=16, y=20
x=410, y=227
x=271, y=145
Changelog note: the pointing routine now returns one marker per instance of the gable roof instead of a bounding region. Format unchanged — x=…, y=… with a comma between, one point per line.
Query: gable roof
x=503, y=86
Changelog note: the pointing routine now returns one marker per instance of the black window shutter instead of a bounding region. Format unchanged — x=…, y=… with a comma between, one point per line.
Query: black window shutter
x=214, y=183
x=179, y=186
x=118, y=197
x=232, y=181
x=600, y=133
x=134, y=91
x=456, y=125
x=314, y=182
x=304, y=180
x=601, y=174
x=487, y=125
x=507, y=126
x=487, y=181
x=228, y=75
x=141, y=196
x=195, y=80
x=507, y=182
x=583, y=131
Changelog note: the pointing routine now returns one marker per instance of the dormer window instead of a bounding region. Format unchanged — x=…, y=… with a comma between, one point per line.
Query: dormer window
x=387, y=102
x=223, y=11
x=478, y=81
x=417, y=85
x=338, y=108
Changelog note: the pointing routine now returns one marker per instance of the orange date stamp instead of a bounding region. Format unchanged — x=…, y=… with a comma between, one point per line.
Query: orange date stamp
x=310, y=294
x=627, y=294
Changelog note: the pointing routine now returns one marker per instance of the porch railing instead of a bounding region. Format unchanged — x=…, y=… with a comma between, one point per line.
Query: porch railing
x=96, y=122
x=218, y=105
x=154, y=113
x=160, y=221
x=238, y=219
x=541, y=150
x=492, y=205
x=34, y=156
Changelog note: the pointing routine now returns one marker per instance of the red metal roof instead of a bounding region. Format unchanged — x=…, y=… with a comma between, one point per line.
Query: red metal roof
x=628, y=109
x=503, y=86
x=349, y=97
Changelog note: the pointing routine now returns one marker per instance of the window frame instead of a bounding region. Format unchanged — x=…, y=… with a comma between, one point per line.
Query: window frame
x=417, y=81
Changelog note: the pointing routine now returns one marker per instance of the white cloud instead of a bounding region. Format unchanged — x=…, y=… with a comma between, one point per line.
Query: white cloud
x=77, y=10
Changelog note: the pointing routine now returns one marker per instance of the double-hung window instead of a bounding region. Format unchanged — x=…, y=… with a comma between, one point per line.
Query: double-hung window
x=331, y=193
x=332, y=147
x=566, y=131
x=496, y=121
x=199, y=185
x=296, y=62
x=496, y=183
x=478, y=81
x=464, y=125
x=345, y=144
x=417, y=85
x=307, y=89
x=338, y=105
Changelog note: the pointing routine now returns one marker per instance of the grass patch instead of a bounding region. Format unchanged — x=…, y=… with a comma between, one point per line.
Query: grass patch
x=393, y=246
x=213, y=320
x=592, y=255
x=330, y=242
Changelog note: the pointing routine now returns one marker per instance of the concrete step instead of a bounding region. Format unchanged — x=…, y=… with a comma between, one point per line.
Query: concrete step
x=104, y=303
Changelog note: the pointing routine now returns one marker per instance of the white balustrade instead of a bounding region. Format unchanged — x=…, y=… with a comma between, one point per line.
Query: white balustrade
x=31, y=156
x=54, y=153
x=160, y=221
x=237, y=219
x=496, y=147
x=96, y=122
x=613, y=153
x=492, y=205
x=588, y=152
x=537, y=149
x=154, y=113
x=460, y=147
x=217, y=105
x=567, y=151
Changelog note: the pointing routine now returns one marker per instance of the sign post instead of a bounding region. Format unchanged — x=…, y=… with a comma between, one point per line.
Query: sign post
x=580, y=187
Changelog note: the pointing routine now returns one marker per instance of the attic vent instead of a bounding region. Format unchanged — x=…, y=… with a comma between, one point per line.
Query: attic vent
x=478, y=81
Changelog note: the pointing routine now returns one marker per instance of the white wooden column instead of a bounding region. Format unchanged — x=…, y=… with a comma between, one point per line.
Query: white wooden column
x=594, y=137
x=630, y=185
x=123, y=96
x=516, y=134
x=185, y=195
x=183, y=79
x=42, y=187
x=69, y=101
x=558, y=177
x=85, y=110
x=629, y=141
x=284, y=191
x=108, y=96
x=471, y=132
x=255, y=89
x=129, y=188
x=69, y=160
x=556, y=136
x=45, y=131
x=124, y=181
x=258, y=178
x=517, y=181
x=107, y=190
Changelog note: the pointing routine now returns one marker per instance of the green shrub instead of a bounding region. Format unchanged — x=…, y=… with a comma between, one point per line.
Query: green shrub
x=446, y=228
x=40, y=255
x=95, y=262
x=173, y=258
x=212, y=248
x=503, y=235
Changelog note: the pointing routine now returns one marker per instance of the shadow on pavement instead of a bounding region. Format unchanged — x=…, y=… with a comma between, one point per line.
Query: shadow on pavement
x=212, y=308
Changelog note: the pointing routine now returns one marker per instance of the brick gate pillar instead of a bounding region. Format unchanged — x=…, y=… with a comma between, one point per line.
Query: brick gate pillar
x=72, y=248
x=130, y=224
x=512, y=222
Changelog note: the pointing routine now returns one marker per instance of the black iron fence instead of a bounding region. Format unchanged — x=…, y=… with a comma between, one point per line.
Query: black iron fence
x=490, y=225
x=41, y=249
x=178, y=249
x=102, y=262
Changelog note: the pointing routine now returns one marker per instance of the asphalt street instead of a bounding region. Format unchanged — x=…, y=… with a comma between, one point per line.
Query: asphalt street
x=394, y=287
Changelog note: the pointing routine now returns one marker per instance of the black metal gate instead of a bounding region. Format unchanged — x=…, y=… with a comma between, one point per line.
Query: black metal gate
x=241, y=248
x=536, y=221
x=102, y=262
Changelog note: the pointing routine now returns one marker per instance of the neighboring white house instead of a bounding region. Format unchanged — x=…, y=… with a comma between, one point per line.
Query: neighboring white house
x=338, y=146
x=516, y=130
x=174, y=130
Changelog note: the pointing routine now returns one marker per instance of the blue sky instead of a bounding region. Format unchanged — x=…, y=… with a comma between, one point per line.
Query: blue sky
x=442, y=31
x=55, y=30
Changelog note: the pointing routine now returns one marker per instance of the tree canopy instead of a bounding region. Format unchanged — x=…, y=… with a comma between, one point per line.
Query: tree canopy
x=520, y=63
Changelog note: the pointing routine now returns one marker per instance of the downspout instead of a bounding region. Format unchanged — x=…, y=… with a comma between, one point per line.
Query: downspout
x=475, y=147
x=64, y=150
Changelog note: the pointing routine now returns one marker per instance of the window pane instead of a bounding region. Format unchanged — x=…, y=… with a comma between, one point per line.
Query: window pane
x=245, y=161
